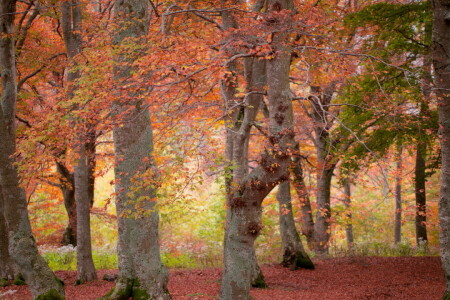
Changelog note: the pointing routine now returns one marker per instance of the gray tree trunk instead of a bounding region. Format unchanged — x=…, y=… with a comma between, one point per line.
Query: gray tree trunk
x=22, y=247
x=298, y=182
x=398, y=197
x=348, y=214
x=141, y=272
x=326, y=163
x=322, y=226
x=244, y=222
x=237, y=143
x=420, y=191
x=294, y=254
x=441, y=59
x=7, y=269
x=71, y=28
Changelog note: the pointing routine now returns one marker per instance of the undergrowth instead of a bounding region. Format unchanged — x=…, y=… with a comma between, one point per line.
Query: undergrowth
x=64, y=258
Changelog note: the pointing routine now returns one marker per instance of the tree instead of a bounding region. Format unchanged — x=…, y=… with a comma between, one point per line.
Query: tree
x=348, y=216
x=237, y=141
x=441, y=66
x=22, y=247
x=398, y=195
x=141, y=272
x=71, y=25
x=294, y=254
x=244, y=207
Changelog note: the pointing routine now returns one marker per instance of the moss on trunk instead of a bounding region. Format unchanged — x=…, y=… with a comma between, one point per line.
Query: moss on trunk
x=50, y=295
x=260, y=282
x=296, y=260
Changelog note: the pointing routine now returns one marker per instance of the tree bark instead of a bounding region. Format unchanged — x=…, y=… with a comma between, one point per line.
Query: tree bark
x=237, y=144
x=7, y=269
x=441, y=59
x=398, y=196
x=71, y=28
x=244, y=222
x=421, y=199
x=326, y=162
x=298, y=182
x=322, y=226
x=141, y=272
x=67, y=186
x=348, y=214
x=294, y=254
x=22, y=247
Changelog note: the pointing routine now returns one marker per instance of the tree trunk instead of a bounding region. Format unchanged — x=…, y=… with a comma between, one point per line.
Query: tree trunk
x=67, y=186
x=348, y=214
x=22, y=247
x=421, y=198
x=6, y=263
x=398, y=197
x=85, y=263
x=298, y=182
x=244, y=222
x=71, y=25
x=294, y=255
x=441, y=59
x=326, y=162
x=322, y=226
x=237, y=145
x=141, y=272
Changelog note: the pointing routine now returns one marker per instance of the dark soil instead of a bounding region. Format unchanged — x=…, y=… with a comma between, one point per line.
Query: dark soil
x=337, y=278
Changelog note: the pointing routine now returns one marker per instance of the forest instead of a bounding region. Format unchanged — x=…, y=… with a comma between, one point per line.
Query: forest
x=224, y=149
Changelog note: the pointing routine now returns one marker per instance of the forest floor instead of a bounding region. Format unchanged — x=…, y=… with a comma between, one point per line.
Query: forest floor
x=334, y=278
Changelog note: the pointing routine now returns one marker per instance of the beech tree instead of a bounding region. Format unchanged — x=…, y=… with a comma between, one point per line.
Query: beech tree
x=141, y=272
x=244, y=206
x=71, y=25
x=441, y=66
x=22, y=246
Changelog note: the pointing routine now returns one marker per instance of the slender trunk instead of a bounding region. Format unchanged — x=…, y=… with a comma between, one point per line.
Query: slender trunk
x=398, y=197
x=421, y=199
x=348, y=214
x=7, y=269
x=298, y=182
x=322, y=226
x=67, y=186
x=320, y=98
x=294, y=254
x=85, y=263
x=244, y=222
x=22, y=247
x=441, y=59
x=71, y=25
x=141, y=272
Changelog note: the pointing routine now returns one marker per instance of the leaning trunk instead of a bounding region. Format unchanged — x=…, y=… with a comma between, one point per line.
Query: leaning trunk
x=421, y=199
x=298, y=182
x=441, y=64
x=294, y=255
x=67, y=186
x=22, y=246
x=141, y=272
